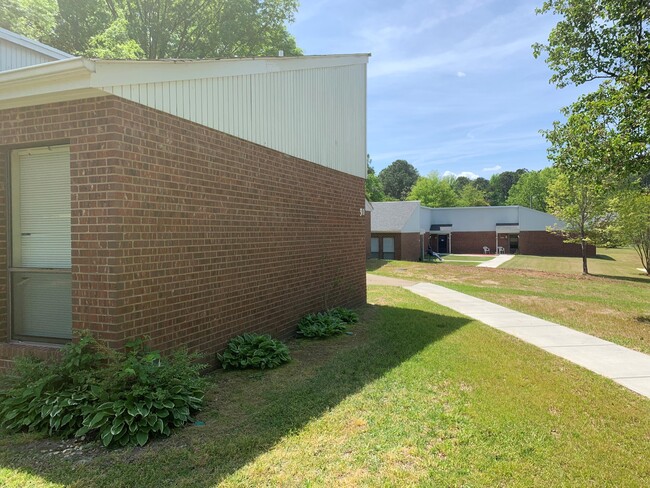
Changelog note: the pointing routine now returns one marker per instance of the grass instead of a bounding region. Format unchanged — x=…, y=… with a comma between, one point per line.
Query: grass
x=613, y=304
x=418, y=395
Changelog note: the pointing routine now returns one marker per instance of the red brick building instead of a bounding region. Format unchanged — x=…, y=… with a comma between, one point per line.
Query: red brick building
x=405, y=230
x=186, y=201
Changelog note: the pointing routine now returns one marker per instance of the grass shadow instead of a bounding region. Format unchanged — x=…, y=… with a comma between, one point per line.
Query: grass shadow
x=640, y=279
x=374, y=264
x=604, y=257
x=249, y=412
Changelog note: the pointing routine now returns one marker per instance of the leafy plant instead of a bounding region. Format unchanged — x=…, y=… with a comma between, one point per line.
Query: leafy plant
x=254, y=351
x=320, y=325
x=122, y=398
x=344, y=314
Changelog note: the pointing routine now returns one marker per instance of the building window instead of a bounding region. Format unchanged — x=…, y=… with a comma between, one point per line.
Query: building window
x=374, y=247
x=388, y=248
x=39, y=269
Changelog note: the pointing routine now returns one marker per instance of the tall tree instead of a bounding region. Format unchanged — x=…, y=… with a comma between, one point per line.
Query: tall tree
x=470, y=196
x=161, y=28
x=374, y=188
x=606, y=41
x=631, y=209
x=500, y=185
x=581, y=205
x=398, y=178
x=434, y=191
x=531, y=189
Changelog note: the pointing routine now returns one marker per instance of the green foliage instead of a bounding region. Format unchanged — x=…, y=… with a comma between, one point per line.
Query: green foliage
x=434, y=191
x=159, y=28
x=114, y=43
x=603, y=40
x=582, y=205
x=35, y=19
x=470, y=196
x=531, y=189
x=344, y=314
x=120, y=398
x=321, y=325
x=398, y=179
x=254, y=351
x=500, y=185
x=632, y=222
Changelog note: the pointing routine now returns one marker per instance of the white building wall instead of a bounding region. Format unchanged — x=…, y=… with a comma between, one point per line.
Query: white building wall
x=316, y=114
x=13, y=56
x=530, y=219
x=474, y=219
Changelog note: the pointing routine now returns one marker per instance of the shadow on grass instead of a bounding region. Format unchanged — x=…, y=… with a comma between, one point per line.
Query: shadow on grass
x=640, y=279
x=604, y=257
x=252, y=411
x=375, y=264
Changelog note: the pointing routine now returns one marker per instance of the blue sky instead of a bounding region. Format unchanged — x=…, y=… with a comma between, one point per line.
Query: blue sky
x=452, y=84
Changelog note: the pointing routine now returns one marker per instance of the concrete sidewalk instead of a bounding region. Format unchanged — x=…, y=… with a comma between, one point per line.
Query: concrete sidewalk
x=625, y=366
x=497, y=261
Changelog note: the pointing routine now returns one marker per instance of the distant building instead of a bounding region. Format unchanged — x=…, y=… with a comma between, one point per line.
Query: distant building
x=405, y=230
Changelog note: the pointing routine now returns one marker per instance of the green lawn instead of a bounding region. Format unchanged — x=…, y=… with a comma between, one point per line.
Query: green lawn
x=613, y=305
x=608, y=263
x=418, y=395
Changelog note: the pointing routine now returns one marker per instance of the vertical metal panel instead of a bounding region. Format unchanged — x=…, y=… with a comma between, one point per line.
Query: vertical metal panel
x=13, y=56
x=316, y=114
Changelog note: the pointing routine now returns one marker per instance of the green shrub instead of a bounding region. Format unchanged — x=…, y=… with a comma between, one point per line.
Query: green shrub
x=344, y=314
x=121, y=398
x=254, y=351
x=320, y=325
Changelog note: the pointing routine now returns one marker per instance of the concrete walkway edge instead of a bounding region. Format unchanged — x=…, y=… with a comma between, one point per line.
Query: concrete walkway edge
x=628, y=368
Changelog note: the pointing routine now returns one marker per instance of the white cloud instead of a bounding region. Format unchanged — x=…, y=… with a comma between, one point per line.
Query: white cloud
x=461, y=74
x=496, y=167
x=466, y=174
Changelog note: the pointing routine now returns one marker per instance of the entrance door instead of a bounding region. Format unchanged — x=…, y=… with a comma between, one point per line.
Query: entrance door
x=514, y=243
x=443, y=244
x=41, y=304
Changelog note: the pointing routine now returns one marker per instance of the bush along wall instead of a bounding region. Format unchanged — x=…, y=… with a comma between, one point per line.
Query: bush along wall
x=120, y=398
x=254, y=351
x=332, y=322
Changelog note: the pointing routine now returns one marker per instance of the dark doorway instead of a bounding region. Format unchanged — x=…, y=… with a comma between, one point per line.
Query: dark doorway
x=443, y=246
x=513, y=241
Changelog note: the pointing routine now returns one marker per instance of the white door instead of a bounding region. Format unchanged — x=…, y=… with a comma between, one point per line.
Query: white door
x=41, y=305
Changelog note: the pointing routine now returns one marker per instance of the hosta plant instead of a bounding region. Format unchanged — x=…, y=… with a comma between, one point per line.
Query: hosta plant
x=320, y=325
x=254, y=351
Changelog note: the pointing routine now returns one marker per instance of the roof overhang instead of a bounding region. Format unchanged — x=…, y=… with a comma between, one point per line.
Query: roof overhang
x=507, y=228
x=33, y=45
x=77, y=78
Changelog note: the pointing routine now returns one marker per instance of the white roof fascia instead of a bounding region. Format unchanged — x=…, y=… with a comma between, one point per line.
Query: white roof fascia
x=33, y=45
x=67, y=79
x=112, y=72
x=86, y=77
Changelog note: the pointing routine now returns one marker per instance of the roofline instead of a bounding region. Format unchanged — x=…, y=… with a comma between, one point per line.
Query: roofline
x=33, y=45
x=82, y=74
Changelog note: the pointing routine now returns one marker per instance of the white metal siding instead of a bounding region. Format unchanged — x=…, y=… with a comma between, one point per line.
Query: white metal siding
x=316, y=114
x=13, y=56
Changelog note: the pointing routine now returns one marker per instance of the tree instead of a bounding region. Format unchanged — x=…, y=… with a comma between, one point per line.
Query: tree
x=398, y=178
x=434, y=191
x=606, y=41
x=582, y=205
x=114, y=43
x=164, y=28
x=471, y=196
x=374, y=188
x=632, y=222
x=35, y=19
x=500, y=185
x=532, y=189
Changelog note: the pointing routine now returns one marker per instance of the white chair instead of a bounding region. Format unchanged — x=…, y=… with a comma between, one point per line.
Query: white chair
x=486, y=250
x=501, y=250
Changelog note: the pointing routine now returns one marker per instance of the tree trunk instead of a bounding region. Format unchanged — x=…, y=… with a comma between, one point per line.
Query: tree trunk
x=583, y=245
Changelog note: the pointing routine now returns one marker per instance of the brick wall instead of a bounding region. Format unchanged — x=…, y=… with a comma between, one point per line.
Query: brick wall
x=189, y=235
x=542, y=243
x=472, y=242
x=410, y=246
